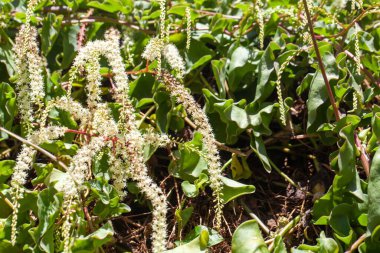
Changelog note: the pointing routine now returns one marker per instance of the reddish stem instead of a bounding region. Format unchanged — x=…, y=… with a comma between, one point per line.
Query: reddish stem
x=78, y=132
x=363, y=156
x=320, y=62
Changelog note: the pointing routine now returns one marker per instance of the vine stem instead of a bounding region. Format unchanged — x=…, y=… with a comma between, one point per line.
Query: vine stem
x=7, y=201
x=254, y=216
x=285, y=230
x=320, y=63
x=46, y=153
x=358, y=18
x=43, y=151
x=365, y=71
x=357, y=243
x=363, y=157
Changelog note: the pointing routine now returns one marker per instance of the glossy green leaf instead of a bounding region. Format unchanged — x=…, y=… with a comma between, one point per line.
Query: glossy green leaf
x=49, y=203
x=214, y=236
x=183, y=216
x=279, y=245
x=69, y=44
x=233, y=189
x=6, y=169
x=240, y=66
x=318, y=99
x=93, y=241
x=374, y=198
x=327, y=245
x=218, y=68
x=258, y=146
x=189, y=164
x=6, y=53
x=197, y=245
x=198, y=55
x=247, y=238
x=340, y=219
x=7, y=107
x=346, y=157
x=50, y=31
x=265, y=72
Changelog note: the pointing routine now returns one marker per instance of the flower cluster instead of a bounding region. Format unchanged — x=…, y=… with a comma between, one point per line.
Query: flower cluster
x=29, y=66
x=138, y=172
x=201, y=121
x=153, y=49
x=30, y=84
x=260, y=21
x=357, y=50
x=340, y=4
x=24, y=163
x=128, y=159
x=304, y=23
x=278, y=84
x=356, y=2
x=68, y=104
x=188, y=28
x=162, y=18
x=122, y=139
x=171, y=54
x=156, y=48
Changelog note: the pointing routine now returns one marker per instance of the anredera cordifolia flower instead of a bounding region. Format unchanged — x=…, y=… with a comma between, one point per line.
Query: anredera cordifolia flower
x=200, y=119
x=188, y=28
x=29, y=66
x=122, y=139
x=103, y=124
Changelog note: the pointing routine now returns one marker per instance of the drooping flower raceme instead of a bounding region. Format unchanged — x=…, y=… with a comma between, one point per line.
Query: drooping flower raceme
x=201, y=121
x=188, y=28
x=153, y=50
x=128, y=151
x=171, y=54
x=30, y=84
x=278, y=84
x=24, y=163
x=260, y=21
x=29, y=66
x=138, y=172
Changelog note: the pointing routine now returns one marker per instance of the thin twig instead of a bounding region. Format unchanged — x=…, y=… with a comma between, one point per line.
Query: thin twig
x=286, y=229
x=43, y=151
x=303, y=136
x=320, y=62
x=6, y=200
x=226, y=164
x=286, y=177
x=357, y=19
x=363, y=157
x=357, y=243
x=87, y=215
x=210, y=13
x=150, y=110
x=82, y=31
x=254, y=216
x=95, y=19
x=365, y=71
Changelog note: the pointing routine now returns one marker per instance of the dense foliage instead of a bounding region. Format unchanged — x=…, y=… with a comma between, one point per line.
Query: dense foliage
x=189, y=126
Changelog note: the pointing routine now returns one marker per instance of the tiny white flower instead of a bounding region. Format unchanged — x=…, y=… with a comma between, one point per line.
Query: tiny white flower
x=153, y=49
x=174, y=59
